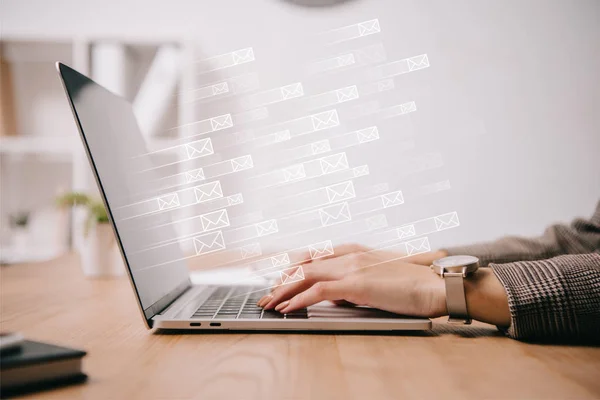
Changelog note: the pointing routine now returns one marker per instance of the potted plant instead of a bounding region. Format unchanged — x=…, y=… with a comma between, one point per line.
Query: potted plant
x=19, y=222
x=99, y=252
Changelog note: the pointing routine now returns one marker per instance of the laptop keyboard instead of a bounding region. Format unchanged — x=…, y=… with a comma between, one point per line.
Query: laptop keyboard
x=236, y=302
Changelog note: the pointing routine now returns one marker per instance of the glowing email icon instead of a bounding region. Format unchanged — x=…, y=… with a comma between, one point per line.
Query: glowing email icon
x=199, y=148
x=235, y=199
x=406, y=231
x=168, y=201
x=292, y=91
x=322, y=146
x=369, y=27
x=291, y=275
x=392, y=199
x=347, y=94
x=209, y=243
x=361, y=170
x=368, y=134
x=220, y=88
x=282, y=136
x=340, y=191
x=294, y=172
x=345, y=60
x=208, y=191
x=243, y=56
x=408, y=107
x=250, y=250
x=446, y=221
x=418, y=62
x=325, y=120
x=376, y=222
x=242, y=163
x=280, y=260
x=371, y=54
x=385, y=85
x=335, y=214
x=215, y=220
x=194, y=175
x=267, y=227
x=221, y=122
x=321, y=249
x=334, y=163
x=417, y=246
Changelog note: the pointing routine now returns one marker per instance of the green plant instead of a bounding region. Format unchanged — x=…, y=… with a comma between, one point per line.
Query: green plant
x=96, y=211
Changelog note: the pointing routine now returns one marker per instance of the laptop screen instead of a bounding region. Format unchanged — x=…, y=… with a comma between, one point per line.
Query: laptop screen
x=126, y=177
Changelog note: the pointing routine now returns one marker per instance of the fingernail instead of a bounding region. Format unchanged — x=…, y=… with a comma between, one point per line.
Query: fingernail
x=283, y=305
x=264, y=300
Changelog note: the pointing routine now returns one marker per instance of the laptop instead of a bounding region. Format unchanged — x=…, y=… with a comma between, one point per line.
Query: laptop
x=142, y=217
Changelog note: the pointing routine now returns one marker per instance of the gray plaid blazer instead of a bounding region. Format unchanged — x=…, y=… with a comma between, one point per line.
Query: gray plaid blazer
x=552, y=282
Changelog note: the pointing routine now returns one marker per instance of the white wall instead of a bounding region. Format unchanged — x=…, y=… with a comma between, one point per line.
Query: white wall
x=511, y=99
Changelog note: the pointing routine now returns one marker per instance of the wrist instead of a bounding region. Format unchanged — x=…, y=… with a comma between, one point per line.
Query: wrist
x=486, y=298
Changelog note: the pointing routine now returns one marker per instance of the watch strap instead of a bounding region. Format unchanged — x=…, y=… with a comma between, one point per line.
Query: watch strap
x=456, y=301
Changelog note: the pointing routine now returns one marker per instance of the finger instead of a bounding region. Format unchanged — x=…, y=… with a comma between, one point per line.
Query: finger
x=344, y=303
x=286, y=292
x=334, y=290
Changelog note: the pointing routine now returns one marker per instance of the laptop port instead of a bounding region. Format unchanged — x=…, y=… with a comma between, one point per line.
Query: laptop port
x=215, y=324
x=195, y=324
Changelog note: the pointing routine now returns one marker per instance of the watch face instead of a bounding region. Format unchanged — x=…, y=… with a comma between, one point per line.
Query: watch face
x=455, y=261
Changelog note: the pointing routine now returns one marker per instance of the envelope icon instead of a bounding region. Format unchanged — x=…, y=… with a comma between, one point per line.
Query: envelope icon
x=418, y=62
x=322, y=146
x=371, y=54
x=361, y=171
x=168, y=201
x=282, y=136
x=392, y=199
x=220, y=88
x=376, y=222
x=267, y=227
x=291, y=275
x=385, y=85
x=321, y=249
x=368, y=134
x=335, y=214
x=208, y=191
x=243, y=56
x=209, y=243
x=235, y=199
x=345, y=60
x=347, y=94
x=280, y=260
x=199, y=148
x=369, y=27
x=215, y=220
x=292, y=91
x=446, y=221
x=242, y=163
x=340, y=191
x=221, y=122
x=334, y=163
x=417, y=246
x=324, y=120
x=408, y=107
x=194, y=175
x=294, y=172
x=251, y=250
x=406, y=231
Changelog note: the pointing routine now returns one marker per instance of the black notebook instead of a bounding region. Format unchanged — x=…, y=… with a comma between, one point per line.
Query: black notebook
x=36, y=366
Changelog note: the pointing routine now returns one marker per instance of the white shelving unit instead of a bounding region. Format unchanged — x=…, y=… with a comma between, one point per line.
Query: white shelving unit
x=47, y=147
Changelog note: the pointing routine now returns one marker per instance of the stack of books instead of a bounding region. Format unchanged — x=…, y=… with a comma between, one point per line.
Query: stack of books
x=27, y=366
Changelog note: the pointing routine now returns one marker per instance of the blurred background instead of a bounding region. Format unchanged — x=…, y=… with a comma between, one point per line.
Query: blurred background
x=510, y=101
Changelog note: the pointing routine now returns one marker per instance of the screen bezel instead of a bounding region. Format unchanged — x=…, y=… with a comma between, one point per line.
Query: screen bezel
x=163, y=302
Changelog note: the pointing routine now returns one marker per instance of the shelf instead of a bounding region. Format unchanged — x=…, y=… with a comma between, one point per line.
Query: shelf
x=42, y=145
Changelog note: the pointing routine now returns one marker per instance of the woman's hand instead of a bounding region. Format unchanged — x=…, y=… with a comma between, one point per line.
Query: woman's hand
x=377, y=279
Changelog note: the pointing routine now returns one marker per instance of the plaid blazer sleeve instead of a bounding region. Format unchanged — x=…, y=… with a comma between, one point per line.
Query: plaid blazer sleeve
x=552, y=282
x=580, y=237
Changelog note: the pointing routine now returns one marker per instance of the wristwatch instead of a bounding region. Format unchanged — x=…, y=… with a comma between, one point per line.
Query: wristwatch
x=454, y=270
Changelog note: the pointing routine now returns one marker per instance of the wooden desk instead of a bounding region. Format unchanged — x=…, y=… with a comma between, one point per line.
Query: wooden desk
x=53, y=302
